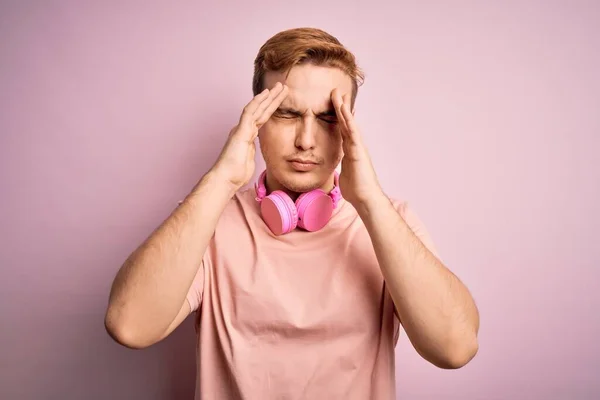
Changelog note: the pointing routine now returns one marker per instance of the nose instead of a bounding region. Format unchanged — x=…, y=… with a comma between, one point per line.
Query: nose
x=306, y=134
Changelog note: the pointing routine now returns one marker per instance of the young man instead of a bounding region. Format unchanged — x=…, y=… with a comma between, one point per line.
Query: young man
x=299, y=284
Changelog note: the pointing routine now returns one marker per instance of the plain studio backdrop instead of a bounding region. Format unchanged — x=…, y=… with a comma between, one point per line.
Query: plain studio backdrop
x=484, y=115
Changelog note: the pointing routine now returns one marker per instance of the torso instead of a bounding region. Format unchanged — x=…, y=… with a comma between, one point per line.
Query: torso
x=299, y=316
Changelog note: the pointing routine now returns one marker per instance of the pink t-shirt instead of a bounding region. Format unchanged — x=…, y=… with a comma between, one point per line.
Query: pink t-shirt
x=305, y=315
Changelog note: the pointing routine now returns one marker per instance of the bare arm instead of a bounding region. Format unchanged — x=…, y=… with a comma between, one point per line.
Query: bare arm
x=435, y=308
x=147, y=300
x=437, y=311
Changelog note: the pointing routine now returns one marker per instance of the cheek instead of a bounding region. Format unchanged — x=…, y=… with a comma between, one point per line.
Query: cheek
x=267, y=133
x=335, y=137
x=338, y=153
x=279, y=131
x=271, y=139
x=334, y=145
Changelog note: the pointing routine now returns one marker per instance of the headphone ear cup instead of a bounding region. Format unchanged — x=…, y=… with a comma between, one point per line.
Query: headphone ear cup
x=315, y=209
x=279, y=213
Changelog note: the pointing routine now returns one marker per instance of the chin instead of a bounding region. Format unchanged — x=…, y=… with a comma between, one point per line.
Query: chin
x=301, y=182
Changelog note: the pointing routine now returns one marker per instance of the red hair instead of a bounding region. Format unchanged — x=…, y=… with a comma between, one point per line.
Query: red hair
x=304, y=46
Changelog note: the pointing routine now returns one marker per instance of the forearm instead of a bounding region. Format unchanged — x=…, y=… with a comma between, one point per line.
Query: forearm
x=436, y=309
x=151, y=286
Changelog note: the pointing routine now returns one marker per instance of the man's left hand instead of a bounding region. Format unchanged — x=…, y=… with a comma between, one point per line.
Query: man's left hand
x=358, y=180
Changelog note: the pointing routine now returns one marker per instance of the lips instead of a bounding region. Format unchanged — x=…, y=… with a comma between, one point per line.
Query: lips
x=302, y=161
x=302, y=165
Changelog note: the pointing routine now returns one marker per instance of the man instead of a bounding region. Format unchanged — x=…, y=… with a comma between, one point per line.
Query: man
x=299, y=284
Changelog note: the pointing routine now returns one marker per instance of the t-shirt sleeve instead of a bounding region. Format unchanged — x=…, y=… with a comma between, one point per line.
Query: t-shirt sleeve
x=196, y=291
x=194, y=294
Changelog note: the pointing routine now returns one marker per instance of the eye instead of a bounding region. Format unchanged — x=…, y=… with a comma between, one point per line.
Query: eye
x=284, y=115
x=329, y=119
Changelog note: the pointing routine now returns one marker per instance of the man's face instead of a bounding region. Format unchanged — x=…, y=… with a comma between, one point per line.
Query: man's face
x=301, y=143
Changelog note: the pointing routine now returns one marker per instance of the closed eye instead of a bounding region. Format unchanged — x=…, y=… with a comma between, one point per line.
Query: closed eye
x=329, y=119
x=285, y=114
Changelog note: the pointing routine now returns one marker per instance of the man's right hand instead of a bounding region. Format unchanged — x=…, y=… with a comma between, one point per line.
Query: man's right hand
x=236, y=162
x=148, y=296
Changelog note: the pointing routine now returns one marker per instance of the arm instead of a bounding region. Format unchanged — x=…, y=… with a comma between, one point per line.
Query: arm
x=436, y=310
x=148, y=296
x=147, y=299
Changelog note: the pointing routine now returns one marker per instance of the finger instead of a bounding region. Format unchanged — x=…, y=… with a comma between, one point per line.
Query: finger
x=251, y=107
x=349, y=117
x=270, y=109
x=337, y=101
x=275, y=91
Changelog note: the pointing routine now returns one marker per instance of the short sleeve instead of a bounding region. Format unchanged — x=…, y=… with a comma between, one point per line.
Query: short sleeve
x=194, y=295
x=416, y=225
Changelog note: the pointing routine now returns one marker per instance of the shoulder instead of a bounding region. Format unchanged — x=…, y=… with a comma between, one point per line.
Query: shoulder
x=236, y=225
x=241, y=205
x=416, y=224
x=242, y=212
x=404, y=208
x=399, y=204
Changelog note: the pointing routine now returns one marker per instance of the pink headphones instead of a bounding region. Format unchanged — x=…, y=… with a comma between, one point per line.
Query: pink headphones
x=311, y=211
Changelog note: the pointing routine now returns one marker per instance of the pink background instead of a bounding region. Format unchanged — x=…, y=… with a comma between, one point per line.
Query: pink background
x=485, y=115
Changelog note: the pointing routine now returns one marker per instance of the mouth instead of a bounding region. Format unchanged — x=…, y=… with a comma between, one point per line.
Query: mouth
x=302, y=161
x=300, y=164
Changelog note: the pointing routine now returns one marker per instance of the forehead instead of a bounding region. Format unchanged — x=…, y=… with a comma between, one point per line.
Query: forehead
x=310, y=86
